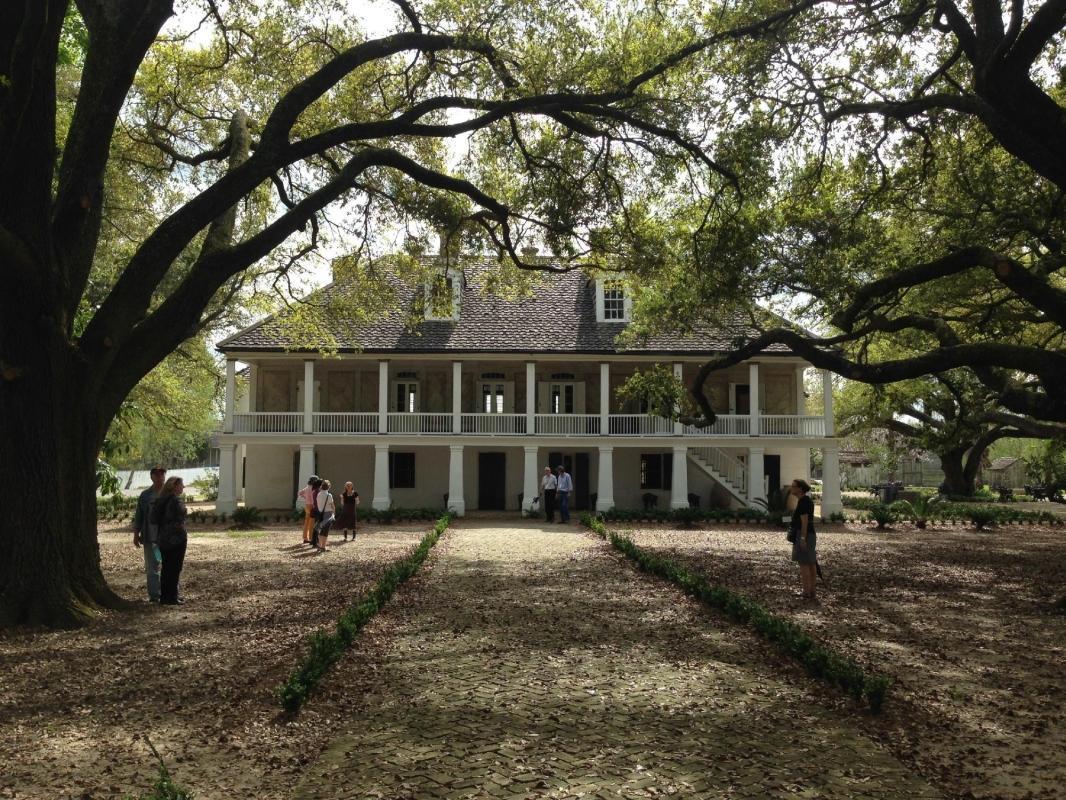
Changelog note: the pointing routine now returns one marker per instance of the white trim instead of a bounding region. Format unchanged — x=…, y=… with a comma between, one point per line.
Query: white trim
x=457, y=292
x=601, y=302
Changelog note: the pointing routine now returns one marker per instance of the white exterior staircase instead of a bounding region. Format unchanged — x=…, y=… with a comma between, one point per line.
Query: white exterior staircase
x=730, y=473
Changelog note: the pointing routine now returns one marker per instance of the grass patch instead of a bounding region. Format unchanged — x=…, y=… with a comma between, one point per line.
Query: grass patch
x=326, y=648
x=788, y=637
x=247, y=534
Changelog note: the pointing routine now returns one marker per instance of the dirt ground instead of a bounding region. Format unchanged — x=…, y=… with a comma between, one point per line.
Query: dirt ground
x=963, y=621
x=198, y=679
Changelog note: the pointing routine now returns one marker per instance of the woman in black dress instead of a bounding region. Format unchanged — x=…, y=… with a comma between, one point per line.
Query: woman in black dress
x=804, y=538
x=347, y=519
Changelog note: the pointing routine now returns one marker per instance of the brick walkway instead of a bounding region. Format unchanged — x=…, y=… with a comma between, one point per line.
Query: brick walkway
x=535, y=664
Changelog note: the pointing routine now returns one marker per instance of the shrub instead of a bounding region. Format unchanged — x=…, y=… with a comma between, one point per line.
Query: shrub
x=920, y=510
x=783, y=633
x=883, y=515
x=207, y=486
x=837, y=516
x=982, y=518
x=247, y=516
x=325, y=649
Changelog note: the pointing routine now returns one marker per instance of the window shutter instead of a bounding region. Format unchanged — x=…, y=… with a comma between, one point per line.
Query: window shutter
x=508, y=397
x=579, y=397
x=542, y=397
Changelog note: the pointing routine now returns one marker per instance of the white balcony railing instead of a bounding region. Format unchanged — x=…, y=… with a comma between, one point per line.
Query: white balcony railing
x=269, y=422
x=494, y=424
x=730, y=469
x=786, y=425
x=639, y=425
x=346, y=422
x=568, y=424
x=724, y=425
x=420, y=423
x=366, y=422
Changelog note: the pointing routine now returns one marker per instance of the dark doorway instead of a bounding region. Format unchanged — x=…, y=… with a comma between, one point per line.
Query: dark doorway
x=581, y=481
x=491, y=481
x=771, y=467
x=743, y=398
x=577, y=464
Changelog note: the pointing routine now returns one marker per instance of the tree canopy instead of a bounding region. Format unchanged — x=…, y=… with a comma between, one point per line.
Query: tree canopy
x=920, y=169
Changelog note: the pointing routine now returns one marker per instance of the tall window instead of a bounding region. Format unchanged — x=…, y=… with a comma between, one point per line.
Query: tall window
x=656, y=470
x=614, y=301
x=406, y=396
x=561, y=398
x=401, y=470
x=492, y=397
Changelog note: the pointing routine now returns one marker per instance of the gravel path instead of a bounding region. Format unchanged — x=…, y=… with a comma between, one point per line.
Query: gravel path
x=531, y=661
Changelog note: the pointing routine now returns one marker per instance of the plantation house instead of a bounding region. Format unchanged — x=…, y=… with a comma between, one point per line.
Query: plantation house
x=467, y=407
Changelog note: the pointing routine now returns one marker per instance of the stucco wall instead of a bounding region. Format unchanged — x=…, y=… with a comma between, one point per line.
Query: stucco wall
x=268, y=476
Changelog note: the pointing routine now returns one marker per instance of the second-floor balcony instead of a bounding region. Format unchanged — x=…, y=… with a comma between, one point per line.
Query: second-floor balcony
x=448, y=424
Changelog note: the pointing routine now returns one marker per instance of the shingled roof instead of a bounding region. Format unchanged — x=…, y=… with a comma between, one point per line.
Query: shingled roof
x=560, y=317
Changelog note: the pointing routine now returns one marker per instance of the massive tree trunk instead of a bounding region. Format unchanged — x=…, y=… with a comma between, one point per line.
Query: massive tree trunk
x=961, y=466
x=50, y=427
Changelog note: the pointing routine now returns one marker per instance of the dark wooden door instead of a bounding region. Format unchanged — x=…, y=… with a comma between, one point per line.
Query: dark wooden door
x=581, y=481
x=491, y=481
x=771, y=467
x=743, y=395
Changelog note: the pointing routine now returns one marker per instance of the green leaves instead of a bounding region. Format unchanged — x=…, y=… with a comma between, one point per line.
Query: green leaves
x=820, y=660
x=325, y=649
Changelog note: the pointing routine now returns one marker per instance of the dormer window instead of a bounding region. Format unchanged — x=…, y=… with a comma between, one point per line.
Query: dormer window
x=442, y=298
x=612, y=302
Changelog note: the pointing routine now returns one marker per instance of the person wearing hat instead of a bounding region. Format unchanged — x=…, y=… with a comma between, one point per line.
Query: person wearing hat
x=145, y=534
x=307, y=496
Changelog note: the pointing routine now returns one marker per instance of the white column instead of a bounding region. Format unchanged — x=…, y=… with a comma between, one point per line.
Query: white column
x=227, y=479
x=530, y=479
x=531, y=397
x=231, y=394
x=678, y=427
x=456, y=503
x=756, y=479
x=253, y=387
x=605, y=399
x=753, y=396
x=307, y=465
x=831, y=501
x=382, y=499
x=605, y=480
x=801, y=391
x=383, y=397
x=679, y=485
x=457, y=397
x=827, y=402
x=309, y=395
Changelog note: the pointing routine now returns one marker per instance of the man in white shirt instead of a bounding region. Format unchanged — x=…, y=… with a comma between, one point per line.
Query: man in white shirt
x=564, y=488
x=548, y=484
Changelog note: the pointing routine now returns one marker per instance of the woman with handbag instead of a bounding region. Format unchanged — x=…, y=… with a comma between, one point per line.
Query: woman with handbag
x=803, y=537
x=168, y=511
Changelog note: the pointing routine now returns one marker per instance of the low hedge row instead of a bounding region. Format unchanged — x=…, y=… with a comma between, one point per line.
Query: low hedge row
x=980, y=514
x=327, y=648
x=687, y=516
x=787, y=636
